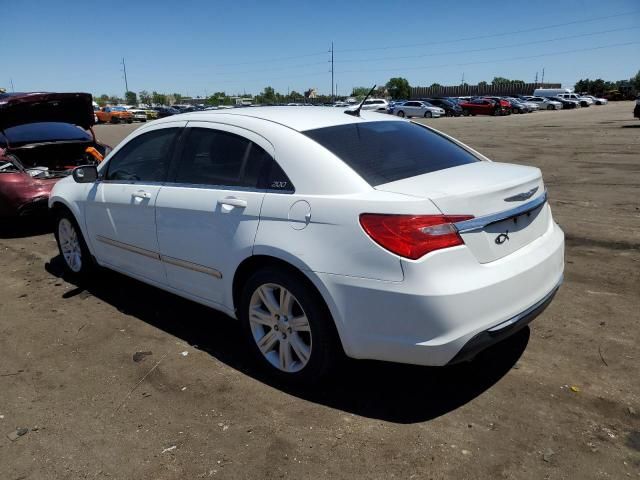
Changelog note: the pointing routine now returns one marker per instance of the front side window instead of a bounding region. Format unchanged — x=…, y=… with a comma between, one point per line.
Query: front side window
x=386, y=151
x=143, y=159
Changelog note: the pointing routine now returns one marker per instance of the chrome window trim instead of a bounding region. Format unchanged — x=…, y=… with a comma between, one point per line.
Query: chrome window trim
x=130, y=182
x=208, y=186
x=481, y=222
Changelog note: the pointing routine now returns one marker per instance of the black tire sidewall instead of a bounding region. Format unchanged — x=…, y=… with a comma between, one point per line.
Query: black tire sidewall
x=325, y=349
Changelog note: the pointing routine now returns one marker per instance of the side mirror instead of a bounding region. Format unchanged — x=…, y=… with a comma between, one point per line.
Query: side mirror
x=85, y=174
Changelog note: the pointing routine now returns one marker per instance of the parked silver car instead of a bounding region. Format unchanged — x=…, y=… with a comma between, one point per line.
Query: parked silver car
x=414, y=108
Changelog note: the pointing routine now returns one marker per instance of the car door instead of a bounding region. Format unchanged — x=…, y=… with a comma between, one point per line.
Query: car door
x=208, y=214
x=409, y=109
x=418, y=109
x=120, y=211
x=479, y=106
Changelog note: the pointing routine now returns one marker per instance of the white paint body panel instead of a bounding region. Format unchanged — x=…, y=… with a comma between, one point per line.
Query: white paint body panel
x=384, y=306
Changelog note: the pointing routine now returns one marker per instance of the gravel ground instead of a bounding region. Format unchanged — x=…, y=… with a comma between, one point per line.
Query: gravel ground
x=115, y=379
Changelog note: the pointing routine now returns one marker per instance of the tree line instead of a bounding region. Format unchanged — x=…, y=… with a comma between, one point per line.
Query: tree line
x=598, y=87
x=397, y=88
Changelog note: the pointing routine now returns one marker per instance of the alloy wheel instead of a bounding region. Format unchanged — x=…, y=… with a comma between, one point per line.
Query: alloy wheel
x=70, y=245
x=280, y=328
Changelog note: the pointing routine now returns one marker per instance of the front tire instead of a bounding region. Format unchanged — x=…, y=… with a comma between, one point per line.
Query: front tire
x=288, y=326
x=401, y=114
x=428, y=114
x=75, y=254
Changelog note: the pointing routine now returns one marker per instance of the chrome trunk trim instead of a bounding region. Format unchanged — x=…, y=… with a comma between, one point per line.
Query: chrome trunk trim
x=479, y=223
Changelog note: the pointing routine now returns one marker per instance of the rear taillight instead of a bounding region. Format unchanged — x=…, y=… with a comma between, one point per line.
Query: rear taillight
x=413, y=236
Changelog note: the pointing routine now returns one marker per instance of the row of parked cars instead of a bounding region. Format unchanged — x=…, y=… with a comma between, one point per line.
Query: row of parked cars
x=142, y=113
x=433, y=107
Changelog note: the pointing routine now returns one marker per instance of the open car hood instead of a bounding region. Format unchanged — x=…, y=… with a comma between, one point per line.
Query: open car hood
x=23, y=108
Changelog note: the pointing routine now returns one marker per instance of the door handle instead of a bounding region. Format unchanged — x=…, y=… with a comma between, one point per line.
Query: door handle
x=233, y=202
x=141, y=194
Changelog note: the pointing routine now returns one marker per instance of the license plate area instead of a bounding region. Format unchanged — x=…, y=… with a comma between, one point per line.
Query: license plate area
x=504, y=237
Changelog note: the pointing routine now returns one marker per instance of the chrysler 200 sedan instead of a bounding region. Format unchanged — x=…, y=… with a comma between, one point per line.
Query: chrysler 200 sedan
x=321, y=232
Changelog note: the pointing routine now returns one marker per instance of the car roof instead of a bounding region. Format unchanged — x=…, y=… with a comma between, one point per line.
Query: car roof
x=296, y=118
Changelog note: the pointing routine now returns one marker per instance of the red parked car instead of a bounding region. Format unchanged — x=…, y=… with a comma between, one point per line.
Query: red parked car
x=479, y=106
x=505, y=105
x=43, y=136
x=486, y=106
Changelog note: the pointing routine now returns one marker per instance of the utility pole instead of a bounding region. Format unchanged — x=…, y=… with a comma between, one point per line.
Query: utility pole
x=536, y=79
x=12, y=87
x=462, y=81
x=124, y=69
x=542, y=77
x=332, y=95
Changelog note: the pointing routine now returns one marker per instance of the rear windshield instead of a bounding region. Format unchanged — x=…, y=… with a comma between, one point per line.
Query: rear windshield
x=383, y=152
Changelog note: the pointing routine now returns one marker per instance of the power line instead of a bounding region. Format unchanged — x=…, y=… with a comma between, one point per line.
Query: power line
x=441, y=42
x=272, y=59
x=511, y=45
x=492, y=35
x=525, y=57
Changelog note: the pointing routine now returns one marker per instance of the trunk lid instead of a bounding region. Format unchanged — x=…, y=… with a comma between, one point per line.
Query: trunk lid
x=486, y=190
x=23, y=108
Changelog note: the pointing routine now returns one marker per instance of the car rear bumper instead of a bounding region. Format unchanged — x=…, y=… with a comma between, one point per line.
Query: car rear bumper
x=445, y=300
x=504, y=330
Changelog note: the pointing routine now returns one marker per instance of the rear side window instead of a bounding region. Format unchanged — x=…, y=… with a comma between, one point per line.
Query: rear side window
x=143, y=159
x=215, y=157
x=382, y=152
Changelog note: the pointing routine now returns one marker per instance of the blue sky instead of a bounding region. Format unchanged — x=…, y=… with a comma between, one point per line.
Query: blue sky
x=199, y=47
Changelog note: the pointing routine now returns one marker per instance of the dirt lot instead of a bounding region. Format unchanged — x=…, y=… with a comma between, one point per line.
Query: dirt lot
x=558, y=401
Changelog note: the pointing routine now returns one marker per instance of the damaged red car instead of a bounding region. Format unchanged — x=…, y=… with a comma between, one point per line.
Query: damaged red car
x=43, y=136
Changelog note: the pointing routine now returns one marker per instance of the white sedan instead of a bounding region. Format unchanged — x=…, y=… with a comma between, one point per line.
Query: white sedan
x=417, y=109
x=138, y=114
x=545, y=103
x=321, y=232
x=596, y=100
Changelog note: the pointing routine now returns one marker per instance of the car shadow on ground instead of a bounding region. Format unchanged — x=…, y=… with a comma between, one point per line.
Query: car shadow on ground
x=22, y=227
x=380, y=390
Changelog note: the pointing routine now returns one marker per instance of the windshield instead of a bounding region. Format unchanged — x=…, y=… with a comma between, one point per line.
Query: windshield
x=45, y=132
x=386, y=151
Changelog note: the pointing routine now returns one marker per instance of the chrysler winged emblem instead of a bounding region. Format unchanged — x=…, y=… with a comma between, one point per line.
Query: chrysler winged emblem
x=522, y=196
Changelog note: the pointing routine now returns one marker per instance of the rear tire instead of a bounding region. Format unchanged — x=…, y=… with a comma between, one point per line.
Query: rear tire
x=465, y=113
x=401, y=114
x=78, y=261
x=289, y=329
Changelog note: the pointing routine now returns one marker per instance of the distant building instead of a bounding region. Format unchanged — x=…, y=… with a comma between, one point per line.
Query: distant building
x=242, y=100
x=311, y=93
